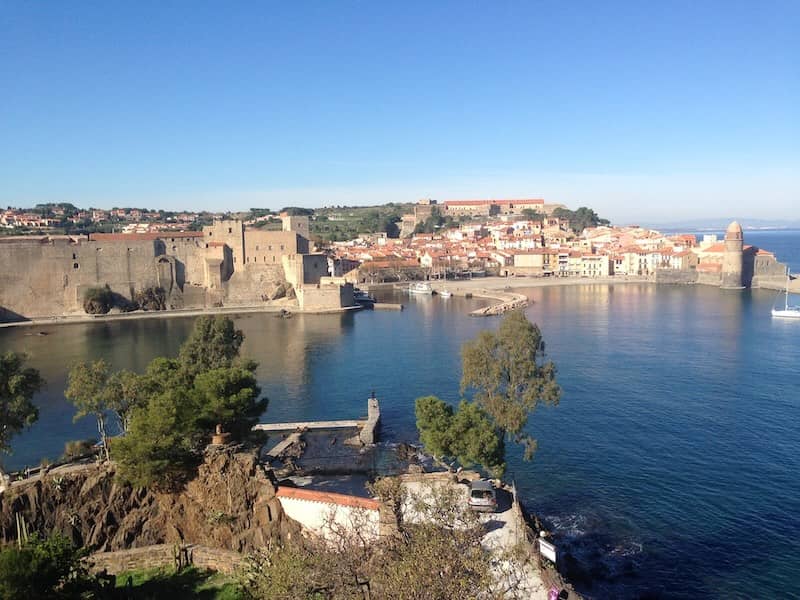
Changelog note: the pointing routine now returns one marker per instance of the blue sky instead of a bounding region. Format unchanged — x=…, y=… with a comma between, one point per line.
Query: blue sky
x=642, y=110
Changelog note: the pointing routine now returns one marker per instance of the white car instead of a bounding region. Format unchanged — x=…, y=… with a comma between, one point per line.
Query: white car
x=482, y=496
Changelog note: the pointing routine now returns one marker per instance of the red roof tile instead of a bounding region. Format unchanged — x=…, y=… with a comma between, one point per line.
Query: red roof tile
x=327, y=497
x=152, y=235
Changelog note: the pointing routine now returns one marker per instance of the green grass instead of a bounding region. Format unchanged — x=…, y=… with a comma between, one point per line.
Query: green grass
x=166, y=583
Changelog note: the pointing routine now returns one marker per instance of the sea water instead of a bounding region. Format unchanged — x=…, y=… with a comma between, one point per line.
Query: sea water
x=669, y=469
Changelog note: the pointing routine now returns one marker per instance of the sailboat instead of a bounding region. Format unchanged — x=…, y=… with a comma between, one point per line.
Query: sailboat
x=787, y=312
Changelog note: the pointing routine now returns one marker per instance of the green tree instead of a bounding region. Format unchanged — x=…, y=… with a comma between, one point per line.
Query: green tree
x=18, y=384
x=124, y=391
x=466, y=434
x=474, y=439
x=214, y=342
x=161, y=447
x=87, y=390
x=44, y=569
x=507, y=373
x=228, y=396
x=580, y=219
x=171, y=409
x=532, y=214
x=434, y=418
x=98, y=300
x=297, y=211
x=152, y=298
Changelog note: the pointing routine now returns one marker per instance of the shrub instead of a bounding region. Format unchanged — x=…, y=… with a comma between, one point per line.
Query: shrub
x=152, y=298
x=76, y=448
x=98, y=300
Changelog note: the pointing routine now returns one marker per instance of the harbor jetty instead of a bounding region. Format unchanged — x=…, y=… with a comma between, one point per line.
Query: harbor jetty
x=508, y=301
x=366, y=427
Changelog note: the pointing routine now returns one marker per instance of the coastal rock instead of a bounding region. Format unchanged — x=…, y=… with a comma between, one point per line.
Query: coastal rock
x=230, y=504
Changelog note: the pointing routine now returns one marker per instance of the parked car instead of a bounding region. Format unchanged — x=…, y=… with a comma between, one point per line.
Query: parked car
x=482, y=496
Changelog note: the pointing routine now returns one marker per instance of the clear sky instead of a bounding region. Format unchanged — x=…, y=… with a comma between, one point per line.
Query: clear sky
x=642, y=110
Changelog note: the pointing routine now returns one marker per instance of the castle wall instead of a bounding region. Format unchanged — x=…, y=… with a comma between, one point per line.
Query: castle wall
x=231, y=233
x=767, y=272
x=676, y=276
x=49, y=277
x=268, y=247
x=327, y=295
x=253, y=283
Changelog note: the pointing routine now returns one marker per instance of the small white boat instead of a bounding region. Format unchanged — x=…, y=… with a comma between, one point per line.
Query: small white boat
x=445, y=293
x=420, y=287
x=787, y=312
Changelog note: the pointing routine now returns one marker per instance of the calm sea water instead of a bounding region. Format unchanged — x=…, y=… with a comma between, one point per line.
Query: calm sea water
x=670, y=468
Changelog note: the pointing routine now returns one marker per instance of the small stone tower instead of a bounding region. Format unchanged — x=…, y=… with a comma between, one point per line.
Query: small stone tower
x=732, y=260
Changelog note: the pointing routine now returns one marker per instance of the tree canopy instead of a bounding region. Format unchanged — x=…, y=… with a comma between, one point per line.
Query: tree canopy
x=88, y=390
x=580, y=219
x=18, y=384
x=214, y=342
x=466, y=434
x=44, y=569
x=177, y=403
x=506, y=371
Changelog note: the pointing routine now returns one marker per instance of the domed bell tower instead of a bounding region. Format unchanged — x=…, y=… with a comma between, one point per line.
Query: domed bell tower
x=732, y=260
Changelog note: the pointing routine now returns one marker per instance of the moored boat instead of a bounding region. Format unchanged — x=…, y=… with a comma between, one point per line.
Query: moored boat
x=445, y=293
x=787, y=312
x=420, y=287
x=363, y=298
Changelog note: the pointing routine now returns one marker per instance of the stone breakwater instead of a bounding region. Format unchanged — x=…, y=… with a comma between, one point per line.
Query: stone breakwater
x=508, y=301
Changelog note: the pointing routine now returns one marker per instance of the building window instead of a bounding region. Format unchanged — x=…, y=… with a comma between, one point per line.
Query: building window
x=73, y=256
x=269, y=248
x=74, y=265
x=256, y=248
x=281, y=246
x=230, y=229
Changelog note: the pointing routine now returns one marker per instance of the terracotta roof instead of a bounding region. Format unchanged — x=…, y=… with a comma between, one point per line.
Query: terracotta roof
x=152, y=235
x=327, y=497
x=500, y=202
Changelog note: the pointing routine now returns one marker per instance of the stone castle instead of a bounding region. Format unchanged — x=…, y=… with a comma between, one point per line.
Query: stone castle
x=225, y=264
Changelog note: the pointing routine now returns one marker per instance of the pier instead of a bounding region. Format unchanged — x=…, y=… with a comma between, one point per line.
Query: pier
x=366, y=427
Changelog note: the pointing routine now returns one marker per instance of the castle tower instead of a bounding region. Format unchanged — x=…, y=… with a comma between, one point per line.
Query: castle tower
x=732, y=260
x=296, y=223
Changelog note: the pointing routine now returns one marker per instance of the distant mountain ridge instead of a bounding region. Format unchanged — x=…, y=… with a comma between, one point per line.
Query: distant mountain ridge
x=718, y=223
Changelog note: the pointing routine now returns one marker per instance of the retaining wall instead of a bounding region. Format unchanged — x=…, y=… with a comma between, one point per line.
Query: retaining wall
x=166, y=555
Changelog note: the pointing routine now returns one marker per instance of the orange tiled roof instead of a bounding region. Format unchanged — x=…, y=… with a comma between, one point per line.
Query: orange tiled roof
x=327, y=497
x=500, y=202
x=152, y=235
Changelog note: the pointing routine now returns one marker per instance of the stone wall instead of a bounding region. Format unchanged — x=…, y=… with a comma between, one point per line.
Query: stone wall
x=324, y=297
x=165, y=556
x=325, y=513
x=676, y=276
x=50, y=276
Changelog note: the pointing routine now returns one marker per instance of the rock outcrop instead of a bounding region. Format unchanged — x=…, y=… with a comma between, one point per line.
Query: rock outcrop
x=230, y=504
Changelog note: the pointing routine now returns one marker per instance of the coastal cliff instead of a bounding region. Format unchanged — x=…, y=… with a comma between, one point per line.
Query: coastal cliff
x=230, y=504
